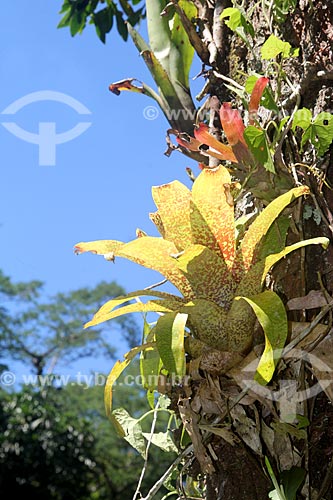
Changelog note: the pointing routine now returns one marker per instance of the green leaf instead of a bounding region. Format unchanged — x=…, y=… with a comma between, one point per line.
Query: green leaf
x=159, y=32
x=255, y=277
x=121, y=26
x=274, y=47
x=181, y=50
x=162, y=440
x=170, y=332
x=277, y=494
x=103, y=20
x=322, y=132
x=150, y=366
x=255, y=235
x=238, y=23
x=291, y=480
x=77, y=23
x=272, y=316
x=302, y=118
x=275, y=240
x=131, y=430
x=65, y=20
x=116, y=371
x=257, y=141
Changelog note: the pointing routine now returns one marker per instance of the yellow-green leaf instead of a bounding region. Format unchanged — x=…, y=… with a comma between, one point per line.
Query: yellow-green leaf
x=208, y=274
x=212, y=198
x=99, y=247
x=173, y=203
x=255, y=235
x=163, y=306
x=207, y=322
x=170, y=332
x=255, y=278
x=272, y=316
x=116, y=371
x=155, y=253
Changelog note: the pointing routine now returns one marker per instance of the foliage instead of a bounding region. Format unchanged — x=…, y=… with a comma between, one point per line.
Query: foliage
x=77, y=13
x=41, y=332
x=57, y=443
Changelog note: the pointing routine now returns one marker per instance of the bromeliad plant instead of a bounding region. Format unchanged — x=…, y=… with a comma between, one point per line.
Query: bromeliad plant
x=220, y=277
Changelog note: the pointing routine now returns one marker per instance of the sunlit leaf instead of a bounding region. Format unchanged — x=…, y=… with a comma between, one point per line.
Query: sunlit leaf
x=131, y=430
x=232, y=124
x=254, y=236
x=272, y=316
x=211, y=196
x=202, y=134
x=170, y=332
x=162, y=440
x=162, y=306
x=255, y=277
x=173, y=204
x=274, y=47
x=207, y=273
x=116, y=371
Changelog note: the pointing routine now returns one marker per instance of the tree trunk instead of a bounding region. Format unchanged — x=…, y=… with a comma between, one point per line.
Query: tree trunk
x=238, y=468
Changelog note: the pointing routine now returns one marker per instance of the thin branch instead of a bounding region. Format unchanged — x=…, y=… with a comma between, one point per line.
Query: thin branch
x=145, y=465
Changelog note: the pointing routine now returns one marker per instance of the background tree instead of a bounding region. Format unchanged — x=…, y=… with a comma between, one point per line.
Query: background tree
x=45, y=332
x=56, y=442
x=289, y=144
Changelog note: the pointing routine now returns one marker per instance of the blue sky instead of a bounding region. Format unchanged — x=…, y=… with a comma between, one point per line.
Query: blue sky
x=100, y=187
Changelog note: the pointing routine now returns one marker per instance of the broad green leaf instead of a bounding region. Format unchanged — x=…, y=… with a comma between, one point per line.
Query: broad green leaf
x=302, y=118
x=274, y=47
x=170, y=332
x=116, y=371
x=159, y=32
x=150, y=366
x=121, y=26
x=207, y=273
x=173, y=202
x=103, y=20
x=291, y=480
x=182, y=52
x=132, y=430
x=272, y=316
x=257, y=141
x=77, y=22
x=65, y=20
x=162, y=440
x=248, y=252
x=238, y=23
x=215, y=228
x=320, y=133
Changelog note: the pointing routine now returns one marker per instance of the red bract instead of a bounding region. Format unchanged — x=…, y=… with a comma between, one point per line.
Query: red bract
x=233, y=126
x=256, y=95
